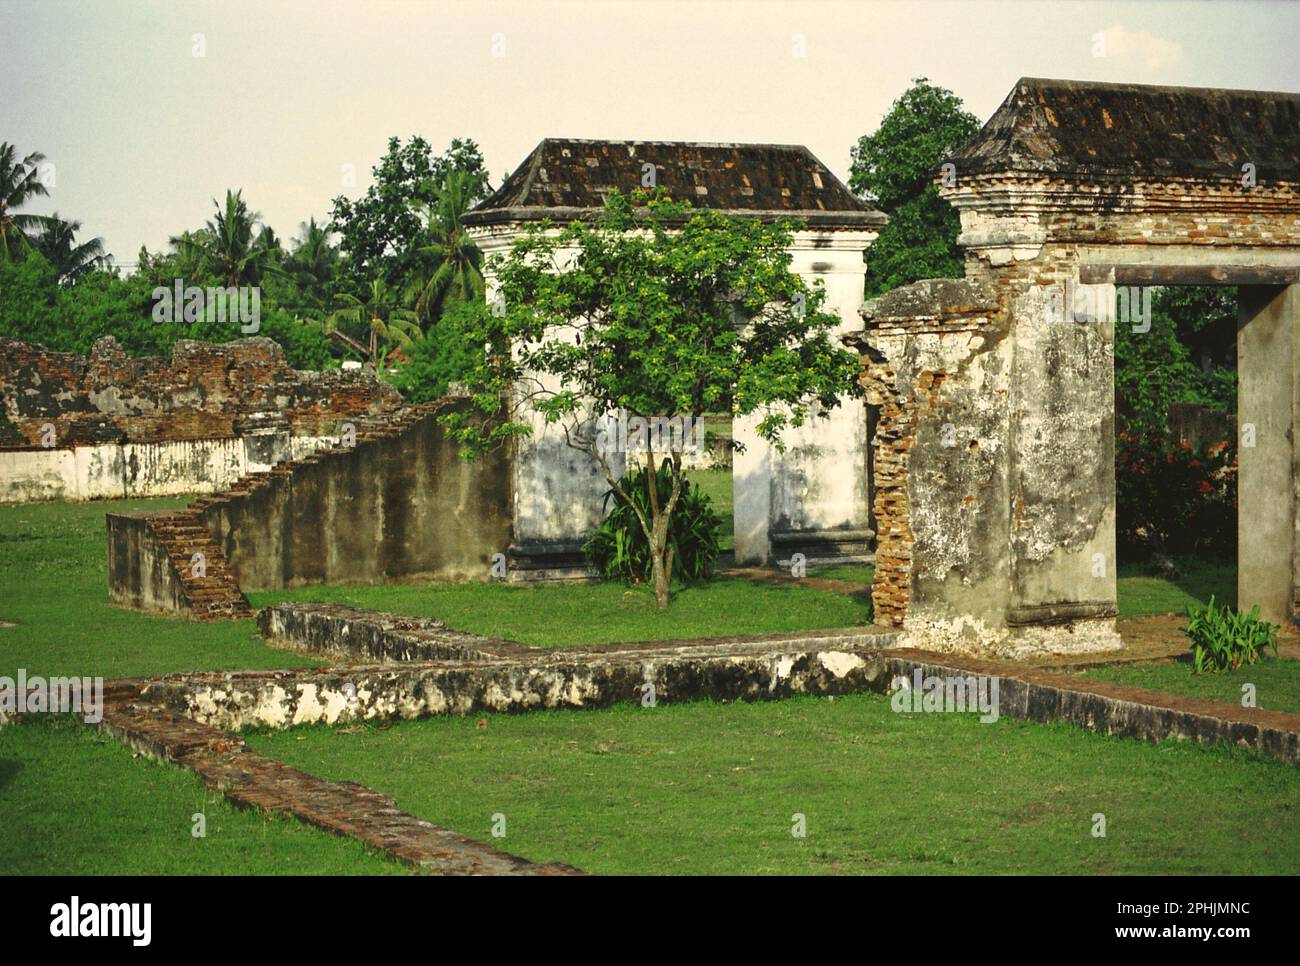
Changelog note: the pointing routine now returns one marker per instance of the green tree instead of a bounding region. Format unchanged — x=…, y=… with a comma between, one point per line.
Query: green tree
x=57, y=241
x=894, y=168
x=452, y=267
x=375, y=325
x=19, y=183
x=230, y=247
x=439, y=357
x=1187, y=356
x=29, y=302
x=379, y=233
x=312, y=269
x=663, y=312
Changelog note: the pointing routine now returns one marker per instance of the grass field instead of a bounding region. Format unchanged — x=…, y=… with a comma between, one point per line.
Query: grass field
x=716, y=485
x=54, y=588
x=1277, y=683
x=698, y=788
x=577, y=614
x=710, y=788
x=1140, y=593
x=75, y=802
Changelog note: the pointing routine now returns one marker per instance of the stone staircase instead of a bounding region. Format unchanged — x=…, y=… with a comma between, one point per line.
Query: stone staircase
x=182, y=533
x=215, y=595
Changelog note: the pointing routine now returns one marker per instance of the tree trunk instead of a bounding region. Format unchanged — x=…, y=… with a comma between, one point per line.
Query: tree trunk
x=662, y=568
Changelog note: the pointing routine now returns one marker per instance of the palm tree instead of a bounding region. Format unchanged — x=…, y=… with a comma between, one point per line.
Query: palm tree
x=454, y=263
x=191, y=250
x=267, y=239
x=228, y=246
x=57, y=241
x=381, y=319
x=19, y=182
x=312, y=266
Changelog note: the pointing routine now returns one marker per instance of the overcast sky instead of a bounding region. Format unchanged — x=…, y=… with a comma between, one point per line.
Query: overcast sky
x=286, y=96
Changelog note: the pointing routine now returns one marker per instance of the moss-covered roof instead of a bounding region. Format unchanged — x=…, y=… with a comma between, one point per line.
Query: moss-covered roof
x=564, y=178
x=1082, y=128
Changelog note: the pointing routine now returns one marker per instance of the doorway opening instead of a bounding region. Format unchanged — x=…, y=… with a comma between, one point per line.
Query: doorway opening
x=1176, y=465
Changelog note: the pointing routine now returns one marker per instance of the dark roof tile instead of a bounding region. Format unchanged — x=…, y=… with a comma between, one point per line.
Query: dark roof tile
x=562, y=178
x=1059, y=127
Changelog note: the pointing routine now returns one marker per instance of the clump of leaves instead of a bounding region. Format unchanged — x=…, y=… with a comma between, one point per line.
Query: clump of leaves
x=620, y=550
x=1223, y=639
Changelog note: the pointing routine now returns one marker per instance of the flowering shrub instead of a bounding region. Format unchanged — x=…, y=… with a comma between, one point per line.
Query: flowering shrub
x=1175, y=498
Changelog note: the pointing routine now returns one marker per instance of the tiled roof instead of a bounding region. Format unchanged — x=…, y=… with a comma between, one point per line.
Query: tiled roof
x=1059, y=127
x=563, y=178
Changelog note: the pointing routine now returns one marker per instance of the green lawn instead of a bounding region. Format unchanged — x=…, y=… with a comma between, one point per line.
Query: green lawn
x=716, y=485
x=75, y=802
x=696, y=788
x=1277, y=682
x=54, y=586
x=559, y=615
x=1140, y=593
x=852, y=574
x=709, y=788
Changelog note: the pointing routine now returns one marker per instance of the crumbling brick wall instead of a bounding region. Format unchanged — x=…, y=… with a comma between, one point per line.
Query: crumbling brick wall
x=398, y=503
x=205, y=391
x=932, y=368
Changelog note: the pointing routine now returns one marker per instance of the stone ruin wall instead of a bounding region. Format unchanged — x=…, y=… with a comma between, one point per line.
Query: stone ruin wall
x=935, y=370
x=991, y=542
x=196, y=422
x=397, y=504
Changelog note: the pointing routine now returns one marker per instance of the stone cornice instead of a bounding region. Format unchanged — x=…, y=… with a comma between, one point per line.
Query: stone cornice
x=1006, y=193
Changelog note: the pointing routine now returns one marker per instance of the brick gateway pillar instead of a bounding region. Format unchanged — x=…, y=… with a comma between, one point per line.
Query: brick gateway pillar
x=994, y=454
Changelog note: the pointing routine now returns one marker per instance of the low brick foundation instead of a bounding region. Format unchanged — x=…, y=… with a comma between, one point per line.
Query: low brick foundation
x=189, y=719
x=226, y=764
x=476, y=674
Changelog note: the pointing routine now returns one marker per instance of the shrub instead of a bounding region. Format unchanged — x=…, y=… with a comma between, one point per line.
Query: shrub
x=620, y=550
x=35, y=308
x=1174, y=498
x=304, y=345
x=1224, y=639
x=441, y=356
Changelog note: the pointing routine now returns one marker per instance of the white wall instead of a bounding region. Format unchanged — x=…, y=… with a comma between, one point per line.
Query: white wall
x=121, y=470
x=820, y=482
x=558, y=491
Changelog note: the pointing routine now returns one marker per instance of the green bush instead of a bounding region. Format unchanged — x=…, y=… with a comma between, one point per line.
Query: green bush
x=1173, y=498
x=620, y=550
x=305, y=347
x=35, y=308
x=1224, y=639
x=441, y=356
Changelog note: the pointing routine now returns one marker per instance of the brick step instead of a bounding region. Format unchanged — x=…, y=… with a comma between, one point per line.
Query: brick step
x=214, y=596
x=183, y=533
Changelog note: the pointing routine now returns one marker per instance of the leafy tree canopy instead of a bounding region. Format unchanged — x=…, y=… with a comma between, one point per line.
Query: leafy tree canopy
x=893, y=169
x=379, y=232
x=662, y=311
x=1187, y=356
x=19, y=183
